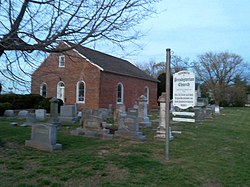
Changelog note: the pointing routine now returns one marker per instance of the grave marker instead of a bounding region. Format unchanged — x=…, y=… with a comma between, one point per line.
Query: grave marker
x=43, y=137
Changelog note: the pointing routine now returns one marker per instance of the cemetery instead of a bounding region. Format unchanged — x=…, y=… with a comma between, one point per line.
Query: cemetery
x=125, y=147
x=80, y=105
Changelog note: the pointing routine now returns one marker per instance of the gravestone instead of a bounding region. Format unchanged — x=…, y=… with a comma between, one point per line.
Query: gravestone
x=103, y=113
x=40, y=114
x=213, y=108
x=30, y=120
x=161, y=130
x=43, y=137
x=22, y=114
x=217, y=110
x=9, y=113
x=143, y=111
x=68, y=113
x=209, y=113
x=129, y=128
x=132, y=112
x=199, y=113
x=90, y=124
x=54, y=112
x=110, y=109
x=120, y=110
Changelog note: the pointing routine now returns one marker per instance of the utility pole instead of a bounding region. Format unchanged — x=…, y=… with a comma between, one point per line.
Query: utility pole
x=168, y=57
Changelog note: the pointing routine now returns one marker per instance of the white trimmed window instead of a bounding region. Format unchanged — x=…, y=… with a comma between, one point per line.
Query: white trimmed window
x=43, y=89
x=146, y=93
x=62, y=61
x=80, y=92
x=120, y=93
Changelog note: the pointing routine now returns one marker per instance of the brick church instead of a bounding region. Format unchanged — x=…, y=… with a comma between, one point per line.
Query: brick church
x=92, y=79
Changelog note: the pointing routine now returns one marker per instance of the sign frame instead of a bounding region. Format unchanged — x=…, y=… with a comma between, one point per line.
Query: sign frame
x=184, y=89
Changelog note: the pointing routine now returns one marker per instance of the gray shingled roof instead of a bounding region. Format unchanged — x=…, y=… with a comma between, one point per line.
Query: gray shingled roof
x=112, y=64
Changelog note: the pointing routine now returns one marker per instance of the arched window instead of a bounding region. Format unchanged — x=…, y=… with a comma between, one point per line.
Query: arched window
x=60, y=90
x=146, y=93
x=80, y=92
x=43, y=89
x=119, y=99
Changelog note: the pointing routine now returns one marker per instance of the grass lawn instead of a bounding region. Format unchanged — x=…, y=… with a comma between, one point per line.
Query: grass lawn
x=214, y=153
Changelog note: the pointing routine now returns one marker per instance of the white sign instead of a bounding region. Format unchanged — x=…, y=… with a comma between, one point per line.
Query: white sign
x=183, y=114
x=184, y=89
x=184, y=120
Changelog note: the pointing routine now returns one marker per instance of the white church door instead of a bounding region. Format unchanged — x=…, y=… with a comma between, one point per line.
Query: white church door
x=60, y=90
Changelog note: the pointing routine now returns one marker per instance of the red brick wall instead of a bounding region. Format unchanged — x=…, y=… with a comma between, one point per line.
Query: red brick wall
x=133, y=88
x=76, y=69
x=97, y=82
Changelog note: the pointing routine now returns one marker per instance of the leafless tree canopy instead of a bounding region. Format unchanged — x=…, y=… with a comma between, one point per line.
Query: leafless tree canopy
x=156, y=68
x=38, y=25
x=218, y=71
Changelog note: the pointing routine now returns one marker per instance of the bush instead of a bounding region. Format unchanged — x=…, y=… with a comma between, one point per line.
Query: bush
x=44, y=104
x=19, y=101
x=5, y=106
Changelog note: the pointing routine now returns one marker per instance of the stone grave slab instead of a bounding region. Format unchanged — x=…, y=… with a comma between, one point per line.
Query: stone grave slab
x=40, y=114
x=129, y=129
x=9, y=113
x=43, y=137
x=22, y=114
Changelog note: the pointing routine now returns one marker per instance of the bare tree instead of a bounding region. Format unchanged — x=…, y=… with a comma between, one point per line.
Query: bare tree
x=29, y=27
x=156, y=68
x=217, y=71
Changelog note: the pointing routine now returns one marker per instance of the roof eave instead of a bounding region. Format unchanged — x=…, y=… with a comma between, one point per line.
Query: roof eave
x=100, y=68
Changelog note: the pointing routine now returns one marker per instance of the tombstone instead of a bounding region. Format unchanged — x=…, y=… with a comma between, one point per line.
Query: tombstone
x=129, y=128
x=22, y=114
x=40, y=114
x=202, y=101
x=9, y=113
x=135, y=105
x=143, y=111
x=161, y=131
x=103, y=113
x=217, y=110
x=68, y=113
x=213, y=108
x=199, y=113
x=90, y=124
x=120, y=110
x=209, y=113
x=110, y=109
x=54, y=112
x=43, y=137
x=30, y=120
x=132, y=112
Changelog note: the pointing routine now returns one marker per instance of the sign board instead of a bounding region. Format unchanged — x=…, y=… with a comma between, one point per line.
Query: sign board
x=184, y=120
x=183, y=114
x=184, y=89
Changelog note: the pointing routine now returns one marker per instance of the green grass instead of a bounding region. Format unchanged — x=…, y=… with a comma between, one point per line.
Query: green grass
x=214, y=153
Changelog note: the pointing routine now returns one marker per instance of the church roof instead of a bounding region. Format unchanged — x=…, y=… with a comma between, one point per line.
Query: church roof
x=111, y=64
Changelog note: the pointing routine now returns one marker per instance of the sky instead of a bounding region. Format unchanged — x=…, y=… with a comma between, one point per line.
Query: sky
x=193, y=27
x=190, y=28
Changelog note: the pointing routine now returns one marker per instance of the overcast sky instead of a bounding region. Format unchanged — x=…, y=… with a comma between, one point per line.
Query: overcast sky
x=192, y=27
